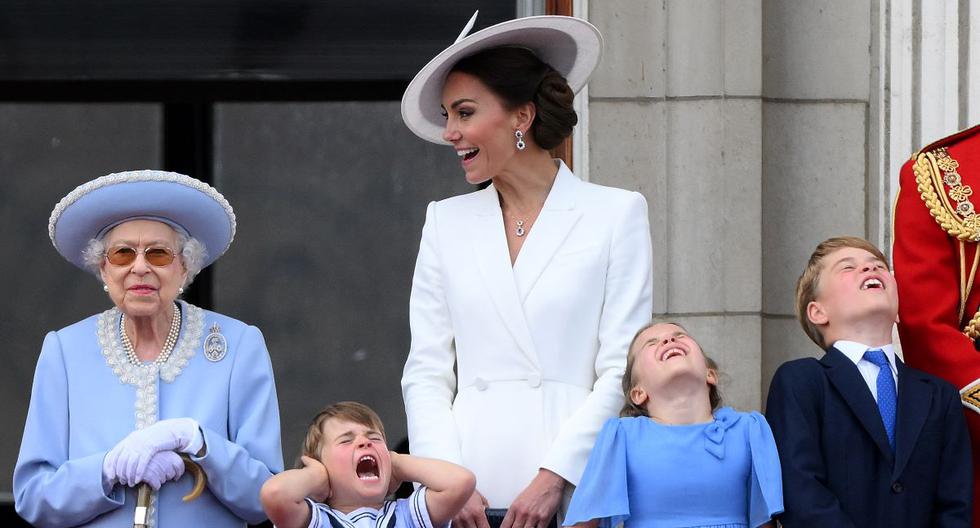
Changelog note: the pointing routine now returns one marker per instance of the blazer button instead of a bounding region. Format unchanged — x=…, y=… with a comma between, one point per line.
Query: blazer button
x=898, y=487
x=480, y=384
x=534, y=380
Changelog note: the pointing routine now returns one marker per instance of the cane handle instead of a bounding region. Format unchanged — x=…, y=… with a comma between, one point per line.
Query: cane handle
x=200, y=478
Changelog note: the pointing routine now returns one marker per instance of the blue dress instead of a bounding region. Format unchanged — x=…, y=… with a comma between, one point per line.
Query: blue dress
x=87, y=397
x=719, y=474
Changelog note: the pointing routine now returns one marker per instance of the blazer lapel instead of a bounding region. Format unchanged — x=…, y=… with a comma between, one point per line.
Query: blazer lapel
x=493, y=260
x=549, y=232
x=847, y=380
x=914, y=402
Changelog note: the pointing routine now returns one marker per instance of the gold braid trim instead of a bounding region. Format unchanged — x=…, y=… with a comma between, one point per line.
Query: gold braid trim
x=972, y=329
x=963, y=290
x=929, y=179
x=970, y=396
x=973, y=274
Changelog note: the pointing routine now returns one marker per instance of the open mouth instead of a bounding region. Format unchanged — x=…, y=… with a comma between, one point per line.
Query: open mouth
x=468, y=154
x=672, y=353
x=367, y=468
x=872, y=284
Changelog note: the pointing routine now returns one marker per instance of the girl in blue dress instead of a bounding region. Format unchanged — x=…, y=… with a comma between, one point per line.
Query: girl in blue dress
x=675, y=458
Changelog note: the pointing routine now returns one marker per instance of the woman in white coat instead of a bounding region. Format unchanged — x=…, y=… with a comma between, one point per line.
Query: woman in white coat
x=526, y=293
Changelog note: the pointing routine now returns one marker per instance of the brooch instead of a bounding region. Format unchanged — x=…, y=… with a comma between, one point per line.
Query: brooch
x=215, y=344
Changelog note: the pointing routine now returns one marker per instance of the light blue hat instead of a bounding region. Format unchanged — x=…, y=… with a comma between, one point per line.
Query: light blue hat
x=190, y=206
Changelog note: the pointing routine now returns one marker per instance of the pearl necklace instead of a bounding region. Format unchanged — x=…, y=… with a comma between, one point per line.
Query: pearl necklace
x=168, y=345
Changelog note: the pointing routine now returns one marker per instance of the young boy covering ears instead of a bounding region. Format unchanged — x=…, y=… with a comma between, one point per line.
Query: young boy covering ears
x=348, y=471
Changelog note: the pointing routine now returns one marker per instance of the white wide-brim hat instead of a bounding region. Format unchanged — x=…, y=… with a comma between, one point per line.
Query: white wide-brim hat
x=570, y=45
x=190, y=206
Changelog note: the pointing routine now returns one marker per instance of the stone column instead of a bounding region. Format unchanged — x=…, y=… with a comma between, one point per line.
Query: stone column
x=817, y=78
x=676, y=113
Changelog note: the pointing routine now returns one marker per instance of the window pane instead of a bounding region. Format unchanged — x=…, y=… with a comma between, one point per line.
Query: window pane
x=330, y=199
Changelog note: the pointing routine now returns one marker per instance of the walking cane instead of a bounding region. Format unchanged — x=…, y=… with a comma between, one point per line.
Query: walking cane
x=143, y=495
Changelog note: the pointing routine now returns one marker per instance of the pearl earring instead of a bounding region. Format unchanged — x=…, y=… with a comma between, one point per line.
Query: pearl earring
x=105, y=288
x=180, y=291
x=520, y=139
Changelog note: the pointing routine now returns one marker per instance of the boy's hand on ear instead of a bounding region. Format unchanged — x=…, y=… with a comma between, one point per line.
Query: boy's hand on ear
x=284, y=495
x=447, y=486
x=396, y=477
x=319, y=477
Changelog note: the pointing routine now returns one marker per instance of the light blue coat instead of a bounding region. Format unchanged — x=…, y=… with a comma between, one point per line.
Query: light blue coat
x=87, y=397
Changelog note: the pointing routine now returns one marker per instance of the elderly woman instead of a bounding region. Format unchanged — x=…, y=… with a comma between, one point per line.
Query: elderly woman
x=526, y=293
x=117, y=397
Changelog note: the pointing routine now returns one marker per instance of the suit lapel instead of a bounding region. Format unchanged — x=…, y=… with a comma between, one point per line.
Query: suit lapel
x=493, y=260
x=847, y=380
x=549, y=232
x=914, y=401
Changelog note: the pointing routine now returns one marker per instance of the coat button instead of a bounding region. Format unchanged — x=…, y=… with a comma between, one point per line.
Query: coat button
x=898, y=487
x=480, y=384
x=534, y=380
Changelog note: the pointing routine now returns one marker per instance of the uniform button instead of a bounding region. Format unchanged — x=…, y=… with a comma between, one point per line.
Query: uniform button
x=534, y=380
x=898, y=487
x=480, y=384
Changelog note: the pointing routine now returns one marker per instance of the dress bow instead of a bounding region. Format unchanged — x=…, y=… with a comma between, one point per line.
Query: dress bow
x=714, y=433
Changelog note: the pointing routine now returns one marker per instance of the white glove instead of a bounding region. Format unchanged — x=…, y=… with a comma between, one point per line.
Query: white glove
x=163, y=467
x=126, y=462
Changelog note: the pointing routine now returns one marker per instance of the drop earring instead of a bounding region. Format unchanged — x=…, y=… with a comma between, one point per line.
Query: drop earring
x=520, y=139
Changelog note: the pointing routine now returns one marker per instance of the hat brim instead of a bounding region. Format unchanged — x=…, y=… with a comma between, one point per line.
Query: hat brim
x=178, y=200
x=571, y=46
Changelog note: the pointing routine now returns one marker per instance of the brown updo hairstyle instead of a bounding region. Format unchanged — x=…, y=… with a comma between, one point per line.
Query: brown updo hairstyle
x=518, y=76
x=631, y=409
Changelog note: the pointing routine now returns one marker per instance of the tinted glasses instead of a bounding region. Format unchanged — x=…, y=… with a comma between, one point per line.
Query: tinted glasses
x=155, y=255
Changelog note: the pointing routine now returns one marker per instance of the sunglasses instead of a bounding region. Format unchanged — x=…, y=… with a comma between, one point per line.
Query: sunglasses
x=154, y=255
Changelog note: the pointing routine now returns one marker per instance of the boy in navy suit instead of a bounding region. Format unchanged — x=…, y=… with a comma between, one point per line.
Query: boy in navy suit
x=864, y=440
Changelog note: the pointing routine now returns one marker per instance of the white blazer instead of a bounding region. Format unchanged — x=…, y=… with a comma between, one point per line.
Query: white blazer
x=512, y=369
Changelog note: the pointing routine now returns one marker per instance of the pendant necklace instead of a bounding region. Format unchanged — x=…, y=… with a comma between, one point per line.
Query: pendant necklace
x=523, y=223
x=522, y=226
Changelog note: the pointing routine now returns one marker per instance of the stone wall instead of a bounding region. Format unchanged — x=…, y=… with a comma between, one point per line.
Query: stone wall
x=745, y=125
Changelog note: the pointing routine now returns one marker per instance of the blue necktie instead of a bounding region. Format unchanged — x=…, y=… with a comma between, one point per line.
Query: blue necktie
x=887, y=404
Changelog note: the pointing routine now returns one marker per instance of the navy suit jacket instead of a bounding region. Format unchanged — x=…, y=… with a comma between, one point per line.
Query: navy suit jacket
x=838, y=469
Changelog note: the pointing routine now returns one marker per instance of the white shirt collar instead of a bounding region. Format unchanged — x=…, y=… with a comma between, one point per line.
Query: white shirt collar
x=855, y=351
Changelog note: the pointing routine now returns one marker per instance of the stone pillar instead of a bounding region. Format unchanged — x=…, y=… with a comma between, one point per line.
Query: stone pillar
x=676, y=113
x=815, y=174
x=758, y=128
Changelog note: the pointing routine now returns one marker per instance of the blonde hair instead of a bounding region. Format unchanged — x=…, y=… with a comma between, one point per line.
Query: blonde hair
x=631, y=409
x=808, y=285
x=345, y=410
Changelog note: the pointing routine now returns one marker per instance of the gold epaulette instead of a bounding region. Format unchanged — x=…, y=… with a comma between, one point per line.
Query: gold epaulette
x=940, y=184
x=934, y=171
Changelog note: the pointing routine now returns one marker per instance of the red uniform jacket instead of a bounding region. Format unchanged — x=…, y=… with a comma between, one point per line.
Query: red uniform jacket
x=937, y=230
